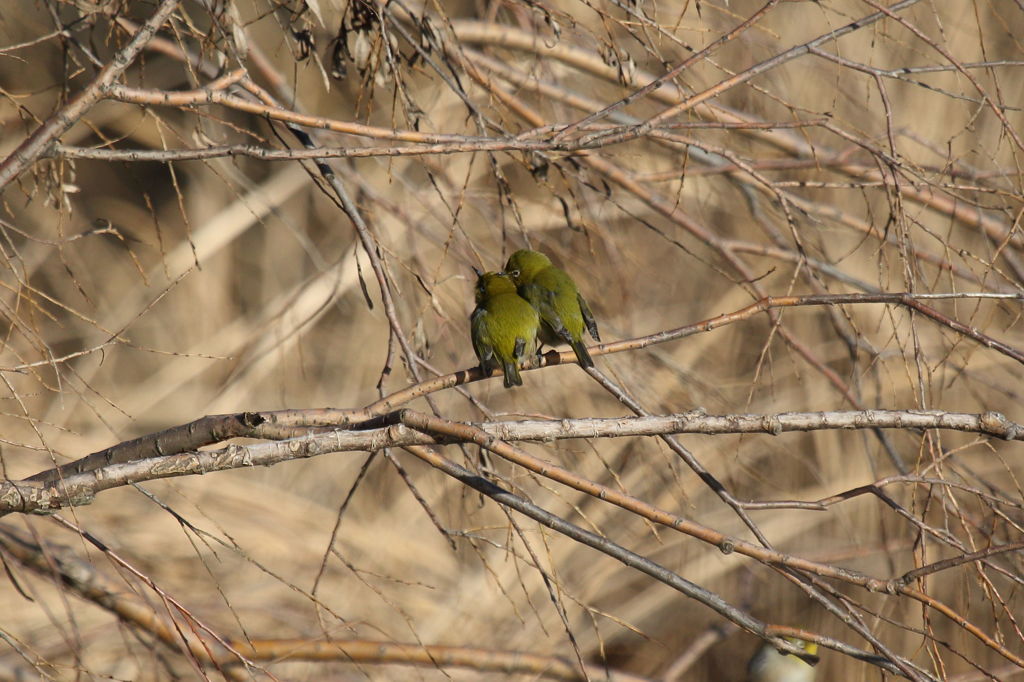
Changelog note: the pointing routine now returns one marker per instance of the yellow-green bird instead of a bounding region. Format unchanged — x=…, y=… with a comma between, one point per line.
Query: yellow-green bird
x=564, y=313
x=504, y=327
x=771, y=665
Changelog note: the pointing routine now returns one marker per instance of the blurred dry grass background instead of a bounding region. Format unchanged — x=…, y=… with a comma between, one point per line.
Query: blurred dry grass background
x=138, y=295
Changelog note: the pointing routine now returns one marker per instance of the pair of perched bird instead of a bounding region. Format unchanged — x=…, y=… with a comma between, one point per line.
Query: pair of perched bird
x=529, y=302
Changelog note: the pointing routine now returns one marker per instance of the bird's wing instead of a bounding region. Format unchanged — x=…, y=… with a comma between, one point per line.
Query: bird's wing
x=588, y=317
x=480, y=334
x=543, y=301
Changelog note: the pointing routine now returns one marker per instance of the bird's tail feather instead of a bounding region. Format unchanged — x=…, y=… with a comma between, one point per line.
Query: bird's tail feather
x=512, y=376
x=581, y=354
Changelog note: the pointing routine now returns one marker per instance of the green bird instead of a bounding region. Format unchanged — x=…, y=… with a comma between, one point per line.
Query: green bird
x=771, y=665
x=564, y=313
x=504, y=327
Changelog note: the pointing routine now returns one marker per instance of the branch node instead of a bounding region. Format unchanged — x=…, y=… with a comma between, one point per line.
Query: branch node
x=772, y=425
x=996, y=424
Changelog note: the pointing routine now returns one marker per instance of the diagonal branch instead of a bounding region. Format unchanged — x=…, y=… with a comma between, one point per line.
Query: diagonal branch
x=59, y=123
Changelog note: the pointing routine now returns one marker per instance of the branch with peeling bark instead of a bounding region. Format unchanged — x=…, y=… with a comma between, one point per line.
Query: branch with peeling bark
x=78, y=483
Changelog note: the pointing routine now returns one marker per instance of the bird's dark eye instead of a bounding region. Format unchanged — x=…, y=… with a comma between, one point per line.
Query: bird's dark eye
x=513, y=273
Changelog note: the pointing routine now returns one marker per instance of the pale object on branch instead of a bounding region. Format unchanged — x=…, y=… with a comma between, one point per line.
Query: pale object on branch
x=771, y=665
